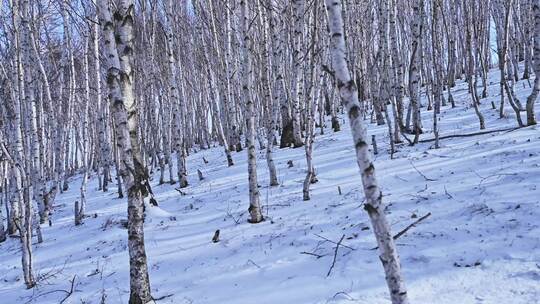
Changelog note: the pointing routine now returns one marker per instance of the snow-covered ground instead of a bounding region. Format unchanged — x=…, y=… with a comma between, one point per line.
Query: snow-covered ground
x=480, y=245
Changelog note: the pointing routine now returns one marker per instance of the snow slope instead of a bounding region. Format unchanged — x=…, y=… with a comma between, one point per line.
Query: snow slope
x=480, y=245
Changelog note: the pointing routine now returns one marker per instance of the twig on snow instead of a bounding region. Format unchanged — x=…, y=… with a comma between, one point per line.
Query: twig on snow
x=447, y=194
x=322, y=237
x=70, y=292
x=495, y=175
x=318, y=256
x=229, y=213
x=163, y=297
x=335, y=255
x=181, y=192
x=43, y=278
x=345, y=294
x=277, y=205
x=250, y=261
x=471, y=134
x=418, y=196
x=402, y=232
x=422, y=174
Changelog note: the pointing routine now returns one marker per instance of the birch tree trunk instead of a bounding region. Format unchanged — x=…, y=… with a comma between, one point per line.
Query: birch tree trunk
x=43, y=204
x=20, y=176
x=531, y=119
x=450, y=33
x=221, y=131
x=245, y=72
x=104, y=140
x=298, y=71
x=3, y=201
x=397, y=73
x=312, y=91
x=414, y=79
x=23, y=218
x=67, y=127
x=28, y=93
x=118, y=42
x=504, y=64
x=229, y=64
x=175, y=100
x=85, y=134
x=437, y=66
x=374, y=205
x=271, y=89
x=472, y=66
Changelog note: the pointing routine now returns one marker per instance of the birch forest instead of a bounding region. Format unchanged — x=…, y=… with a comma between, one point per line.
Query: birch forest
x=199, y=151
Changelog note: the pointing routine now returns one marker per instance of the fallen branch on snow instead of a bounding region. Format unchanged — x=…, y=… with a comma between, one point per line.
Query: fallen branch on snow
x=422, y=174
x=495, y=175
x=322, y=237
x=181, y=192
x=318, y=256
x=402, y=232
x=348, y=296
x=70, y=292
x=448, y=194
x=67, y=292
x=335, y=255
x=472, y=134
x=163, y=297
x=255, y=264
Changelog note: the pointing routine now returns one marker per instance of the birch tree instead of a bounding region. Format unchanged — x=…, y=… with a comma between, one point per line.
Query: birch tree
x=119, y=54
x=374, y=205
x=414, y=78
x=19, y=176
x=298, y=8
x=245, y=71
x=531, y=119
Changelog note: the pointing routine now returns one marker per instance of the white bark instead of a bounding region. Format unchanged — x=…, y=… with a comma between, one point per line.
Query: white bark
x=297, y=69
x=531, y=119
x=119, y=53
x=175, y=101
x=414, y=78
x=374, y=205
x=311, y=100
x=214, y=104
x=276, y=89
x=245, y=72
x=85, y=134
x=19, y=173
x=230, y=65
x=103, y=133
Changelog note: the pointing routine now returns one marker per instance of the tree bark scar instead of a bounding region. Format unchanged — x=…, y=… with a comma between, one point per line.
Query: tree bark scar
x=370, y=209
x=107, y=26
x=360, y=144
x=128, y=19
x=369, y=170
x=354, y=112
x=117, y=16
x=128, y=51
x=118, y=102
